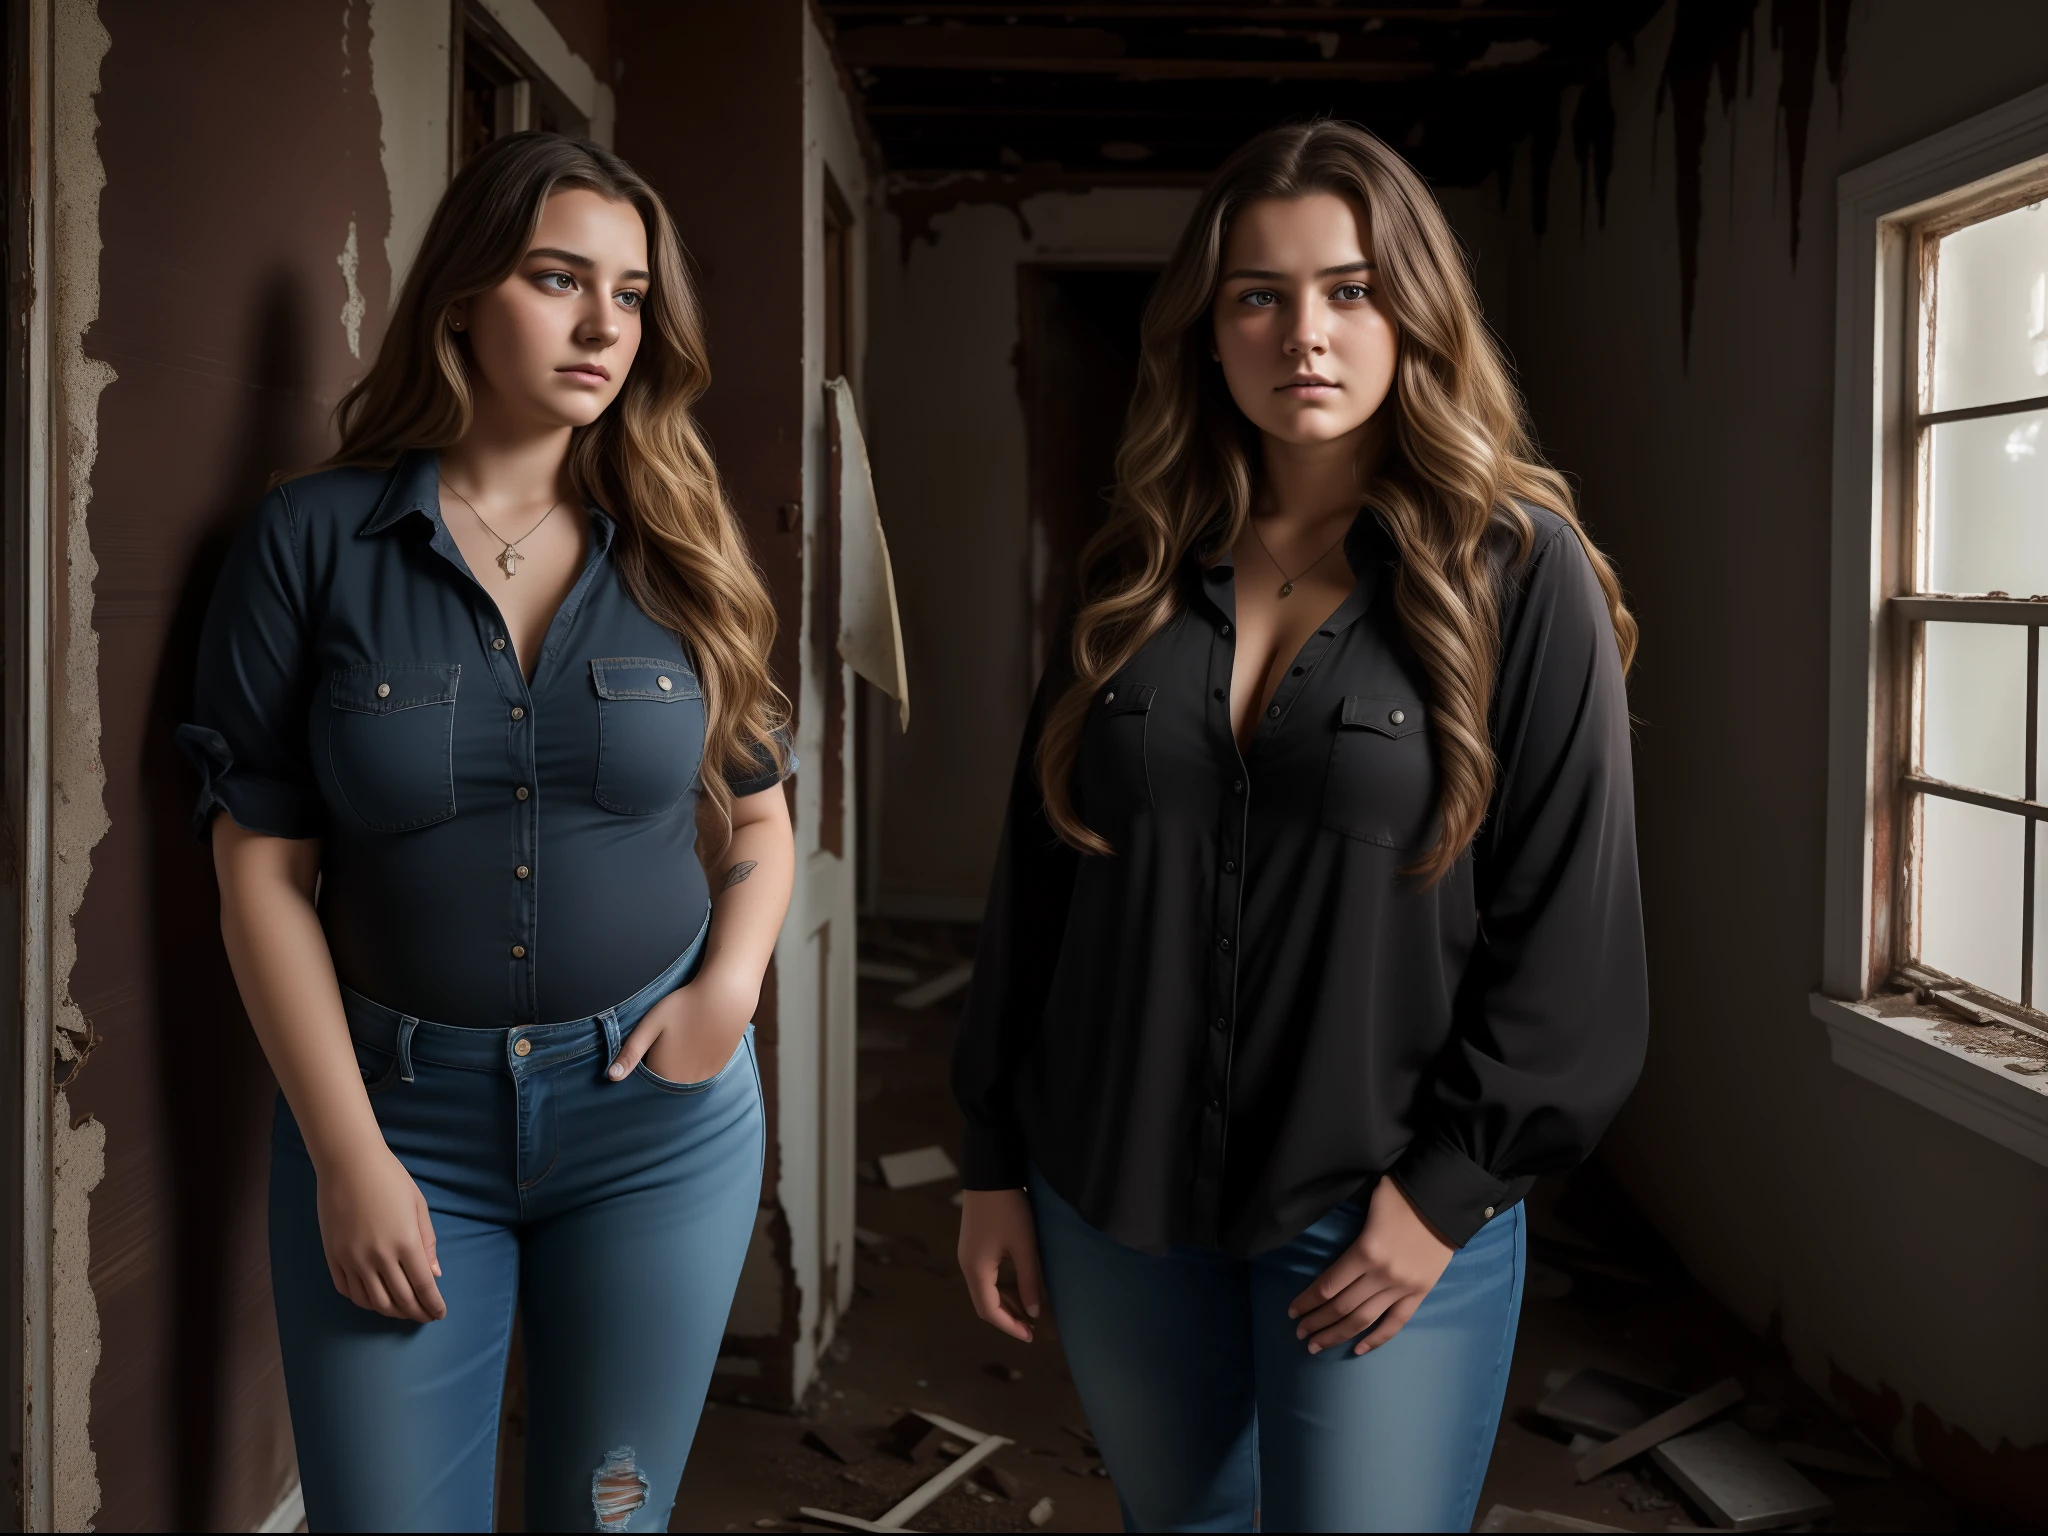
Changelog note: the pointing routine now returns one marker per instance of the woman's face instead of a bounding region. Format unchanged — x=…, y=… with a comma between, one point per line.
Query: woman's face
x=552, y=343
x=1307, y=351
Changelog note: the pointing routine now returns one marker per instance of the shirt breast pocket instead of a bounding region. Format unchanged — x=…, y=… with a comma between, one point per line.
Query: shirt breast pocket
x=391, y=742
x=1381, y=785
x=650, y=733
x=1117, y=780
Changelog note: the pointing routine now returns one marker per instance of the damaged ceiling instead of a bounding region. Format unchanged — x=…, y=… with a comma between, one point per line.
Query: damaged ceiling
x=1160, y=92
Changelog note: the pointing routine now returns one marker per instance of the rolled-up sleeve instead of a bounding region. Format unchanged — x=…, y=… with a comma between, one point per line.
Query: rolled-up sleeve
x=247, y=734
x=1551, y=1016
x=770, y=767
x=1014, y=961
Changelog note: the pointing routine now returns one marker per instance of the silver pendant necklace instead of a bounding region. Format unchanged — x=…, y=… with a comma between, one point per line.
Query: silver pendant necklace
x=508, y=557
x=1286, y=581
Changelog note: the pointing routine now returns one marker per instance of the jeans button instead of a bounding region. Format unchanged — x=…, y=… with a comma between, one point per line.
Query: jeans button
x=522, y=1047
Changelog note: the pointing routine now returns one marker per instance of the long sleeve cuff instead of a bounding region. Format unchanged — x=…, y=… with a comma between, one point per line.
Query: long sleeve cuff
x=1453, y=1194
x=992, y=1158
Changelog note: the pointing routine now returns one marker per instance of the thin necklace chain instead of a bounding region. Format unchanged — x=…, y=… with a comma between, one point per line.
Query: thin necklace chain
x=509, y=557
x=1286, y=581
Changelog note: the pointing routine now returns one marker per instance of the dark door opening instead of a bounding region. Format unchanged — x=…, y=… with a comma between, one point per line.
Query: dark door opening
x=1079, y=364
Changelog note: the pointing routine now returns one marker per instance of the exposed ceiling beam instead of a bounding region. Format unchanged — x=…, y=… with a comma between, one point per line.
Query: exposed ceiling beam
x=1321, y=16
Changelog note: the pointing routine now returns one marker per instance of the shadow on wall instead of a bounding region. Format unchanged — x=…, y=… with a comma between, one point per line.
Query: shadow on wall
x=214, y=1083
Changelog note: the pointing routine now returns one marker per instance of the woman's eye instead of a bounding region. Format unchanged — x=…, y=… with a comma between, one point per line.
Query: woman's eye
x=558, y=282
x=1351, y=293
x=1259, y=298
x=631, y=299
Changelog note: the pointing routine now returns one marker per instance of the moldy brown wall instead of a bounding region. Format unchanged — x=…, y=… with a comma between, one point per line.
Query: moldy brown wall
x=242, y=215
x=1896, y=1255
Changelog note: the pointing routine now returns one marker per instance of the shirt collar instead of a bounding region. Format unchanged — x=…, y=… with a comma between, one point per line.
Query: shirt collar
x=415, y=489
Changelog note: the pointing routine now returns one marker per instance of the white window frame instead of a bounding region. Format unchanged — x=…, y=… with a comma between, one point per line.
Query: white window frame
x=1877, y=1032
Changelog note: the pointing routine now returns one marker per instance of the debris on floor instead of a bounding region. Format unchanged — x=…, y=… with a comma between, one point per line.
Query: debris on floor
x=1845, y=1463
x=1503, y=1517
x=978, y=1448
x=922, y=1165
x=1604, y=1405
x=1739, y=1482
x=939, y=988
x=1691, y=1413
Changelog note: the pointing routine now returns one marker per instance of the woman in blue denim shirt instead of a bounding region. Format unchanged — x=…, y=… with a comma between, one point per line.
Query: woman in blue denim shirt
x=471, y=696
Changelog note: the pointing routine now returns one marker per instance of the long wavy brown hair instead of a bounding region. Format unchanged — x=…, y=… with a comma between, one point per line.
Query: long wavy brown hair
x=678, y=542
x=1459, y=464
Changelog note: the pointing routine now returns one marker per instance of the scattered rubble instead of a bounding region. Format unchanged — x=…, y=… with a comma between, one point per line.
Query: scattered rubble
x=920, y=1165
x=1741, y=1483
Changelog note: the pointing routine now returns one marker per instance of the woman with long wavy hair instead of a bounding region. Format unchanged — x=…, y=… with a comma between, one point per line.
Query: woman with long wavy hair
x=472, y=696
x=1315, y=933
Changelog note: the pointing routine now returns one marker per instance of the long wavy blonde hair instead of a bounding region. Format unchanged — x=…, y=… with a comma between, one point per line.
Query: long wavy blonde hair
x=678, y=542
x=1460, y=462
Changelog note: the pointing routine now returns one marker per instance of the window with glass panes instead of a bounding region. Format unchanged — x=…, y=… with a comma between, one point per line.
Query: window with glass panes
x=1972, y=846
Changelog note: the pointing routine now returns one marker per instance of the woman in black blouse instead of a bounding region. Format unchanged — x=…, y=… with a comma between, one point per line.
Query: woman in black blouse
x=470, y=698
x=1315, y=931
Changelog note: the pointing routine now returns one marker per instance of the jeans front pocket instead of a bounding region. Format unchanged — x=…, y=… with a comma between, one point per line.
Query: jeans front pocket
x=1381, y=784
x=379, y=1068
x=738, y=1056
x=650, y=733
x=391, y=742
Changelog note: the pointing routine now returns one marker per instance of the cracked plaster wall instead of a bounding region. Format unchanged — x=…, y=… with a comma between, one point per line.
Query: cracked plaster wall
x=78, y=815
x=1886, y=1248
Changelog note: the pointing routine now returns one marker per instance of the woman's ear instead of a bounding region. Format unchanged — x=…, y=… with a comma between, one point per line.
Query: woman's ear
x=457, y=318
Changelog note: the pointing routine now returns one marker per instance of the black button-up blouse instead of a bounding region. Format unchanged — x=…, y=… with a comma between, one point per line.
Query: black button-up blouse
x=1247, y=1013
x=492, y=853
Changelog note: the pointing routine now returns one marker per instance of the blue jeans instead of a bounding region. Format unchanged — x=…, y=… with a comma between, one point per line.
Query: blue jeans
x=1208, y=1409
x=613, y=1215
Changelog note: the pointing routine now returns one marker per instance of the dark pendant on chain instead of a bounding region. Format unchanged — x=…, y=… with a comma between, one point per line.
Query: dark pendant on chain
x=1286, y=587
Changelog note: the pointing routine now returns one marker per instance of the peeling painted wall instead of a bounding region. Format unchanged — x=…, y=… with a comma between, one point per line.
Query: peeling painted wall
x=215, y=294
x=946, y=433
x=1890, y=1250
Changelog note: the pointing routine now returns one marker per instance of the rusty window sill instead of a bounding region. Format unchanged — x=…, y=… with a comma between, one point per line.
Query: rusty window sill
x=1989, y=1078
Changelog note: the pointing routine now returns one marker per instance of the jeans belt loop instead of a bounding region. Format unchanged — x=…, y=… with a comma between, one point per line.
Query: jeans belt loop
x=405, y=1028
x=613, y=1039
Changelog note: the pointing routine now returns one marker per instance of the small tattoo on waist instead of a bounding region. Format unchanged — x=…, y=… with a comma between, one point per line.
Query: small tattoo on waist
x=739, y=872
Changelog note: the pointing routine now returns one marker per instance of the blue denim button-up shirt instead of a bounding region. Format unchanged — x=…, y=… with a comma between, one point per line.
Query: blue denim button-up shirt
x=493, y=852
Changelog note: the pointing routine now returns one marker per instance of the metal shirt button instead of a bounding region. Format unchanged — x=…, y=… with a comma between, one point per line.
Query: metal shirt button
x=518, y=713
x=1237, y=786
x=1397, y=717
x=522, y=872
x=1109, y=697
x=383, y=690
x=1489, y=1213
x=518, y=951
x=663, y=684
x=1224, y=944
x=1273, y=713
x=522, y=1047
x=1224, y=631
x=1230, y=866
x=498, y=644
x=1223, y=1023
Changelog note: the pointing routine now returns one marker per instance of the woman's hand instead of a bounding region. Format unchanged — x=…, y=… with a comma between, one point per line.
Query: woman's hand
x=379, y=1237
x=1376, y=1283
x=996, y=1224
x=690, y=1034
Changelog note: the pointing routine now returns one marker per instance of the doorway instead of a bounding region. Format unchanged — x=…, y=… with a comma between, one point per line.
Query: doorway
x=1078, y=366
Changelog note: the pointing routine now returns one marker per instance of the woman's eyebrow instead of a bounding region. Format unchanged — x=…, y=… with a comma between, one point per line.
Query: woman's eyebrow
x=1273, y=277
x=554, y=253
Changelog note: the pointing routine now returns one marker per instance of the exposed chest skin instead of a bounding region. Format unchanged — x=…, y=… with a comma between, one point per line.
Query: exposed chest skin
x=1272, y=629
x=546, y=566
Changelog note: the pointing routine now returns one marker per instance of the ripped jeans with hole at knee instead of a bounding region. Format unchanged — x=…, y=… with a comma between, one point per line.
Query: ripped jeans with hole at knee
x=613, y=1216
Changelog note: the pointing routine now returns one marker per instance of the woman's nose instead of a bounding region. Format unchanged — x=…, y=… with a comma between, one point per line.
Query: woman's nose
x=601, y=327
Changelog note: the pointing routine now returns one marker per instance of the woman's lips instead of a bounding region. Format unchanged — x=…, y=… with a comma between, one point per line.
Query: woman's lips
x=1312, y=388
x=590, y=371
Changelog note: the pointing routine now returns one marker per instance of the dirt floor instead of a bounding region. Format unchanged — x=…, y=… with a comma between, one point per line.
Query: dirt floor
x=1602, y=1292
